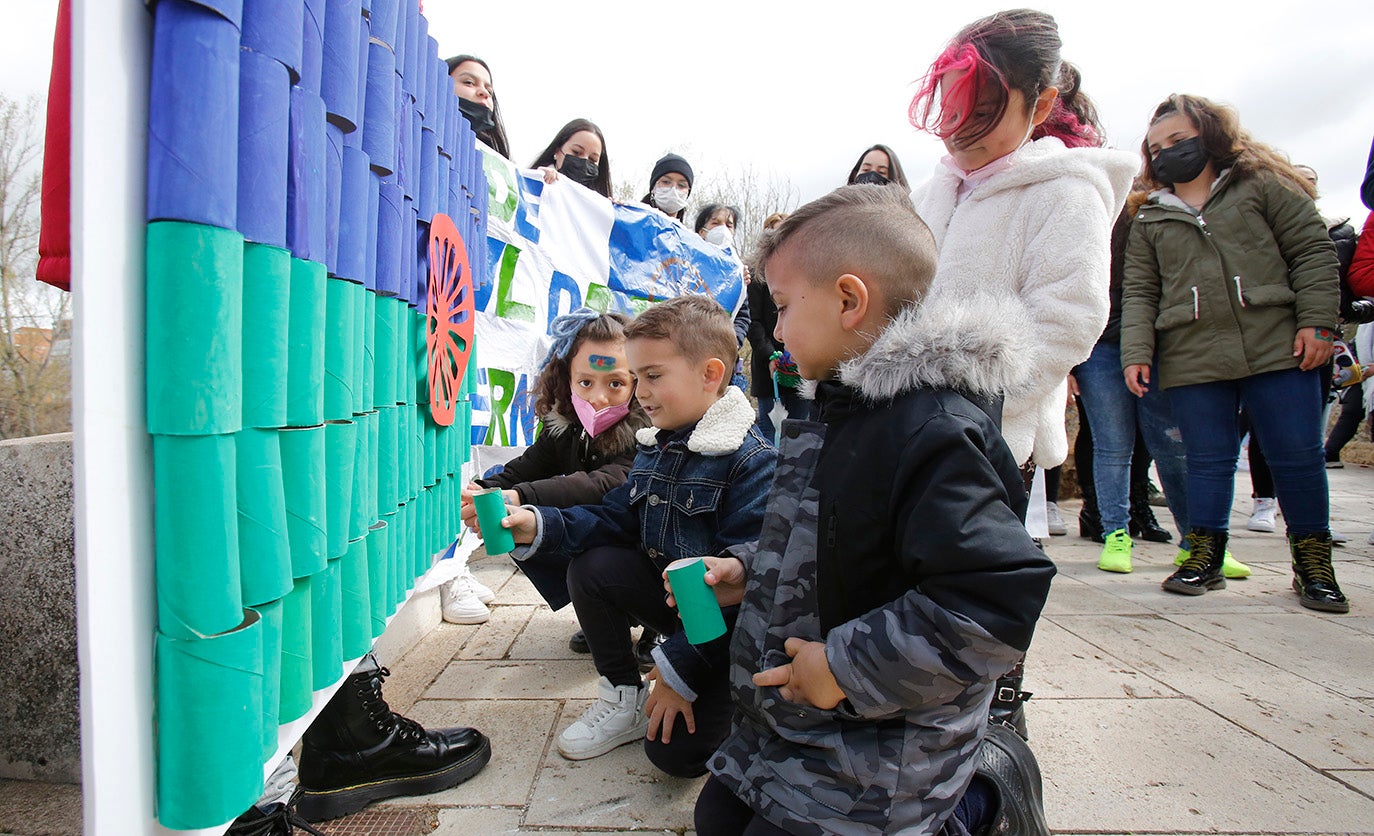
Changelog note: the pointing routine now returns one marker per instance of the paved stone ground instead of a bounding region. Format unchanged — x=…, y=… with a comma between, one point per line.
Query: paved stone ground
x=1238, y=712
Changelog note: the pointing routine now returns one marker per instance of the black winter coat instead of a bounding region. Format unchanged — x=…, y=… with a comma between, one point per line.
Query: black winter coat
x=566, y=467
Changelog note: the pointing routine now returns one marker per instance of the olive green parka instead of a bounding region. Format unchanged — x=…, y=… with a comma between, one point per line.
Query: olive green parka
x=1220, y=294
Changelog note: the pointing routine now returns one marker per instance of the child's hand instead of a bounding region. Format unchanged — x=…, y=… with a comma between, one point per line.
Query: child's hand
x=807, y=680
x=725, y=575
x=663, y=706
x=522, y=522
x=466, y=509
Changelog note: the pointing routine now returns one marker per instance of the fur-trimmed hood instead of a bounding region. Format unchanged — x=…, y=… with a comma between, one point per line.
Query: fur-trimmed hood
x=613, y=442
x=951, y=343
x=720, y=431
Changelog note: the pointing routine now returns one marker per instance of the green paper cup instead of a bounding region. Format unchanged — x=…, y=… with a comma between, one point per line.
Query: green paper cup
x=404, y=445
x=326, y=628
x=194, y=329
x=356, y=583
x=306, y=344
x=303, y=476
x=384, y=350
x=264, y=543
x=197, y=535
x=296, y=664
x=361, y=503
x=491, y=510
x=209, y=725
x=340, y=455
x=338, y=350
x=696, y=602
x=417, y=452
x=378, y=564
x=431, y=450
x=357, y=296
x=369, y=367
x=373, y=424
x=393, y=561
x=271, y=614
x=405, y=390
x=388, y=460
x=266, y=329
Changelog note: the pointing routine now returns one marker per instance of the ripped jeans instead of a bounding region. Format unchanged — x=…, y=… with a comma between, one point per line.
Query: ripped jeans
x=1113, y=414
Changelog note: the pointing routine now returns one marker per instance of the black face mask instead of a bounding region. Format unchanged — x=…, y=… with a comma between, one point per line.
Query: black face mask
x=1181, y=163
x=579, y=170
x=478, y=115
x=871, y=178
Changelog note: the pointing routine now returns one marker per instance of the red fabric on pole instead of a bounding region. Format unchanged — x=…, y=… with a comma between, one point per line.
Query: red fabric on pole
x=55, y=234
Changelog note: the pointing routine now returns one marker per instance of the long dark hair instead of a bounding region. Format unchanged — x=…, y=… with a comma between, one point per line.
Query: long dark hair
x=602, y=184
x=894, y=166
x=496, y=137
x=1011, y=50
x=1227, y=144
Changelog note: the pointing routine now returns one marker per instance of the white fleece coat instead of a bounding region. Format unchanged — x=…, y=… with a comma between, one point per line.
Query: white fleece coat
x=1032, y=244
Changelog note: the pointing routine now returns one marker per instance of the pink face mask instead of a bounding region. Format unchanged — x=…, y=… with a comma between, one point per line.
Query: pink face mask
x=596, y=421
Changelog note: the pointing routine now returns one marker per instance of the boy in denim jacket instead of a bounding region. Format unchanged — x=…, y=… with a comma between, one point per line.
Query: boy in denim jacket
x=893, y=582
x=697, y=487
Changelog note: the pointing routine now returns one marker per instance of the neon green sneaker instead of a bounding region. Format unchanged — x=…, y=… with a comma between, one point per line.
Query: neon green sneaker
x=1230, y=567
x=1116, y=554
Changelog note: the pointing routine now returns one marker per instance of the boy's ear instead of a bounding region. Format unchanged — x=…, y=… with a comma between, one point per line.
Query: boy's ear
x=713, y=373
x=855, y=300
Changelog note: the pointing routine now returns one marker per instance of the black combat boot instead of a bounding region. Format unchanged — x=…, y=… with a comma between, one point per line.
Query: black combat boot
x=1007, y=764
x=1009, y=702
x=278, y=819
x=1201, y=569
x=359, y=751
x=1143, y=524
x=1089, y=520
x=1314, y=578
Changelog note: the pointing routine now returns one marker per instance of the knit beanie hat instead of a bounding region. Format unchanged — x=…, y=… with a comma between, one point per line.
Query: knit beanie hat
x=671, y=162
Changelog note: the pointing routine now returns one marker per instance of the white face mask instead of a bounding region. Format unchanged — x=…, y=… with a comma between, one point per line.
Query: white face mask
x=670, y=199
x=721, y=236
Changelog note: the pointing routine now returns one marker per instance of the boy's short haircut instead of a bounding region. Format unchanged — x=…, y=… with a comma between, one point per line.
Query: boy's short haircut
x=697, y=326
x=872, y=232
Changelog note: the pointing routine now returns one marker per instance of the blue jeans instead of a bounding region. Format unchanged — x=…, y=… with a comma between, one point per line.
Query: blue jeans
x=1113, y=415
x=796, y=406
x=1285, y=415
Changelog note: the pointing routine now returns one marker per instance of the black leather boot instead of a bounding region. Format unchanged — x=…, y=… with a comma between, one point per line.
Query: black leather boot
x=1089, y=520
x=1007, y=764
x=1143, y=524
x=1201, y=570
x=578, y=643
x=359, y=751
x=278, y=819
x=644, y=649
x=1314, y=578
x=1009, y=702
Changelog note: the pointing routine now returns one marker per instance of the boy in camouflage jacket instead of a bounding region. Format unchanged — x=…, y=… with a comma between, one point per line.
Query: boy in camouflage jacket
x=893, y=580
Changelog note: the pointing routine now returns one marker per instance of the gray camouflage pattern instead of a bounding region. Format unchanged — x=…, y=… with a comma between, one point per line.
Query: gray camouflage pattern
x=923, y=676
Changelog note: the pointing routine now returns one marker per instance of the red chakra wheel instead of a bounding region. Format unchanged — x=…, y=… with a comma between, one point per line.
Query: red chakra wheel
x=450, y=315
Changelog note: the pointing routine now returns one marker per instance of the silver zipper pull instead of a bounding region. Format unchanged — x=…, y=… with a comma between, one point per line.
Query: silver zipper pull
x=1240, y=293
x=1195, y=303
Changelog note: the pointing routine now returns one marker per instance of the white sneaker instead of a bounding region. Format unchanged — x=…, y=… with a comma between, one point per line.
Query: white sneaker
x=616, y=718
x=1262, y=518
x=481, y=590
x=1338, y=539
x=460, y=604
x=1055, y=520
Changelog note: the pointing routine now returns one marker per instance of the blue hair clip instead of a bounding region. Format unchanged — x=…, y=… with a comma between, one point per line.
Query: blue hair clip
x=564, y=330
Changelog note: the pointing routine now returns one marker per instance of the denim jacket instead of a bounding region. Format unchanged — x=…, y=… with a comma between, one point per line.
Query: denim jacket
x=691, y=492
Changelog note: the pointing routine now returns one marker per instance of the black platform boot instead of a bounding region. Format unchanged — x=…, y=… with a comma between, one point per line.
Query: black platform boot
x=1314, y=578
x=1143, y=524
x=1089, y=520
x=1201, y=570
x=1007, y=765
x=359, y=751
x=1009, y=702
x=278, y=819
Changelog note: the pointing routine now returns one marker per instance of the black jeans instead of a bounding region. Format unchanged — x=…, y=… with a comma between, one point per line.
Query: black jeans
x=608, y=585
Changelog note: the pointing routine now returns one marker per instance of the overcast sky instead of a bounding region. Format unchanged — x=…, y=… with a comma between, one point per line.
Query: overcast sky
x=798, y=89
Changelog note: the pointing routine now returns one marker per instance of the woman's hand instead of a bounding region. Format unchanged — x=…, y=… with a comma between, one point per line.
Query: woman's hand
x=1138, y=379
x=550, y=174
x=1315, y=346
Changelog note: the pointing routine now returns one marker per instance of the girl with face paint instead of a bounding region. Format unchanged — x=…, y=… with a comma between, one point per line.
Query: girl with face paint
x=578, y=152
x=1230, y=297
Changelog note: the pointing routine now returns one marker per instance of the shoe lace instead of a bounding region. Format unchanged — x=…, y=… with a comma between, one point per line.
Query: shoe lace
x=1312, y=557
x=278, y=820
x=1201, y=551
x=599, y=712
x=381, y=715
